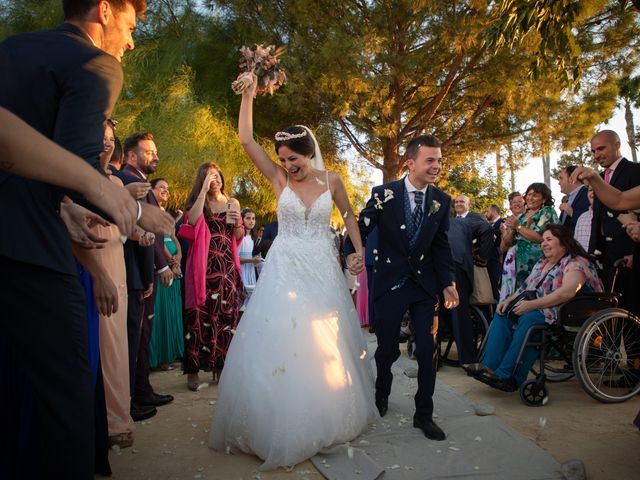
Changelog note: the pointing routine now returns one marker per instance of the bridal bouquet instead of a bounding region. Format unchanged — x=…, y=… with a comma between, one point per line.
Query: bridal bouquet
x=265, y=63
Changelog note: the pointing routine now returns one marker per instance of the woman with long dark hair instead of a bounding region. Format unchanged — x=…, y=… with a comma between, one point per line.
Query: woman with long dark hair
x=213, y=284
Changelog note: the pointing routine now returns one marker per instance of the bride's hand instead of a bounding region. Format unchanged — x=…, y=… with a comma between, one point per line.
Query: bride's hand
x=250, y=91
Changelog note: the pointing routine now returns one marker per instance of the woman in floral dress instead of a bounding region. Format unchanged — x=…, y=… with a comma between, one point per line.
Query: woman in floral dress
x=525, y=232
x=213, y=283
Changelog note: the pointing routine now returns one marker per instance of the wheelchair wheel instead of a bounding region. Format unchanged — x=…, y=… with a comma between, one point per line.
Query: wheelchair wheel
x=558, y=365
x=480, y=328
x=534, y=393
x=606, y=355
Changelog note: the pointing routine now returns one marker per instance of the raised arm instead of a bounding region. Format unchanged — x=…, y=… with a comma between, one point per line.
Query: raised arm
x=274, y=173
x=609, y=195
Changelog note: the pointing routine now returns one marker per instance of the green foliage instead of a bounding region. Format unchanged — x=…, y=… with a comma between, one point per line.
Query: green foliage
x=580, y=156
x=27, y=15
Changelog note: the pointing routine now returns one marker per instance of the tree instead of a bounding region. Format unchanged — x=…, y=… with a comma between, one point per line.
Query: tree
x=629, y=88
x=385, y=71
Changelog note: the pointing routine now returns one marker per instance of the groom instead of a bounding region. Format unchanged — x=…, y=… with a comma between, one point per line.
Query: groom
x=413, y=269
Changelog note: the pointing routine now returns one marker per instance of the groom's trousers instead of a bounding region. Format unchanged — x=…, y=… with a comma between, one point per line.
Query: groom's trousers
x=389, y=310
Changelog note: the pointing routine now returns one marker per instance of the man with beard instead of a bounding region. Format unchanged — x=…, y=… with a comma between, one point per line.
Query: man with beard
x=144, y=266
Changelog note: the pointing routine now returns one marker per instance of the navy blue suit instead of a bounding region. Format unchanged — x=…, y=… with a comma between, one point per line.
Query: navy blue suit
x=407, y=278
x=461, y=240
x=580, y=205
x=140, y=274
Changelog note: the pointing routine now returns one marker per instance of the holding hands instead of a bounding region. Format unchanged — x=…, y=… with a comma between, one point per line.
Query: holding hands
x=355, y=264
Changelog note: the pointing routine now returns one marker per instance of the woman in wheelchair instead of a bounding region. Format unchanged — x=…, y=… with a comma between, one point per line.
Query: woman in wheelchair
x=563, y=270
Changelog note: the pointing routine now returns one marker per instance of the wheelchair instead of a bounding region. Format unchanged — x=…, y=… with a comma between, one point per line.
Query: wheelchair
x=593, y=340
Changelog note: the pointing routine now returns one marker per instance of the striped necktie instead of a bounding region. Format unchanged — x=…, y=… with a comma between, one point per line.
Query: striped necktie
x=417, y=212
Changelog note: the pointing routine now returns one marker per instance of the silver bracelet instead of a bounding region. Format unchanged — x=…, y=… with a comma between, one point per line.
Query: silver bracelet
x=139, y=210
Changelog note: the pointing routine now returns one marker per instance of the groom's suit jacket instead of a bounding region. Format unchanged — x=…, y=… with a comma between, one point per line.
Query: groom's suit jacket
x=429, y=262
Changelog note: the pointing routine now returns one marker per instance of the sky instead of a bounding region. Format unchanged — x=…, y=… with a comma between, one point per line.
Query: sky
x=533, y=171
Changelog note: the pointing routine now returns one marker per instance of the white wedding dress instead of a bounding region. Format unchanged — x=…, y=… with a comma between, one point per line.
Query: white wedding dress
x=297, y=377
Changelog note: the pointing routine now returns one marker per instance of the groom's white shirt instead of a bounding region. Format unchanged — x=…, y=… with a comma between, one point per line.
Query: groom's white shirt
x=411, y=190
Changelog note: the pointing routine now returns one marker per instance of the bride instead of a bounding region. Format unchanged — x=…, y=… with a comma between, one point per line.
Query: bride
x=297, y=377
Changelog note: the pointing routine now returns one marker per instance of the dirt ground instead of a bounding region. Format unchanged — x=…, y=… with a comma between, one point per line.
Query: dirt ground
x=173, y=444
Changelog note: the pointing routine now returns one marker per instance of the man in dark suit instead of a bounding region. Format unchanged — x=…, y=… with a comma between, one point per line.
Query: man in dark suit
x=44, y=306
x=141, y=159
x=268, y=236
x=577, y=202
x=461, y=241
x=482, y=234
x=609, y=239
x=494, y=217
x=413, y=269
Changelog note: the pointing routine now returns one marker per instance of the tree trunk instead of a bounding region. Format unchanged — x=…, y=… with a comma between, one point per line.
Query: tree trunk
x=512, y=170
x=546, y=166
x=631, y=130
x=392, y=167
x=499, y=168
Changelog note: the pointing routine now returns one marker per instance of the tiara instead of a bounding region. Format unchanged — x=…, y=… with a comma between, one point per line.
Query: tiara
x=286, y=136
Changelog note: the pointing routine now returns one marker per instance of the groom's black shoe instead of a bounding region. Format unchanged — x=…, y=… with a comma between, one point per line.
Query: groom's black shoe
x=429, y=428
x=383, y=405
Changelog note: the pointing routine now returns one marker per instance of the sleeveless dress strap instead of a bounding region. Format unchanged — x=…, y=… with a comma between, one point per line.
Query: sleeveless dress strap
x=328, y=186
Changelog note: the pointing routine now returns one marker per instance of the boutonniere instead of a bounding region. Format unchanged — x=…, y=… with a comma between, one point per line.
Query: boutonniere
x=434, y=206
x=378, y=204
x=388, y=195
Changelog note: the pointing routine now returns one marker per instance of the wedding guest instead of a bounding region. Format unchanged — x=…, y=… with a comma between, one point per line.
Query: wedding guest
x=248, y=261
x=213, y=283
x=117, y=158
x=257, y=240
x=583, y=225
x=525, y=234
x=141, y=157
x=166, y=344
x=42, y=290
x=362, y=298
x=114, y=351
x=564, y=269
x=576, y=193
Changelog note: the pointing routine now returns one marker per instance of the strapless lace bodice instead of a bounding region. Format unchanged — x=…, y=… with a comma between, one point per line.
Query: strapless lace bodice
x=296, y=222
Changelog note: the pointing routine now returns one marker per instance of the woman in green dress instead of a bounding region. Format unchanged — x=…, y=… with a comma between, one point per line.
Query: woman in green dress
x=525, y=231
x=166, y=344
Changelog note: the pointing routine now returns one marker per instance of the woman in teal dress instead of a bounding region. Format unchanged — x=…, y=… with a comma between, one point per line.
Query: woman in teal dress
x=166, y=344
x=526, y=231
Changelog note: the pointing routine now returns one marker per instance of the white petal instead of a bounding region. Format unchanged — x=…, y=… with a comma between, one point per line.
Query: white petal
x=366, y=221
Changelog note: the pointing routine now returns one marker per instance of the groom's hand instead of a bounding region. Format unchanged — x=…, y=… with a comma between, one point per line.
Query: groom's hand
x=451, y=299
x=354, y=263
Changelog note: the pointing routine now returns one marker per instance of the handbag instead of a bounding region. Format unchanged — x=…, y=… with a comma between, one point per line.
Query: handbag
x=482, y=293
x=526, y=295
